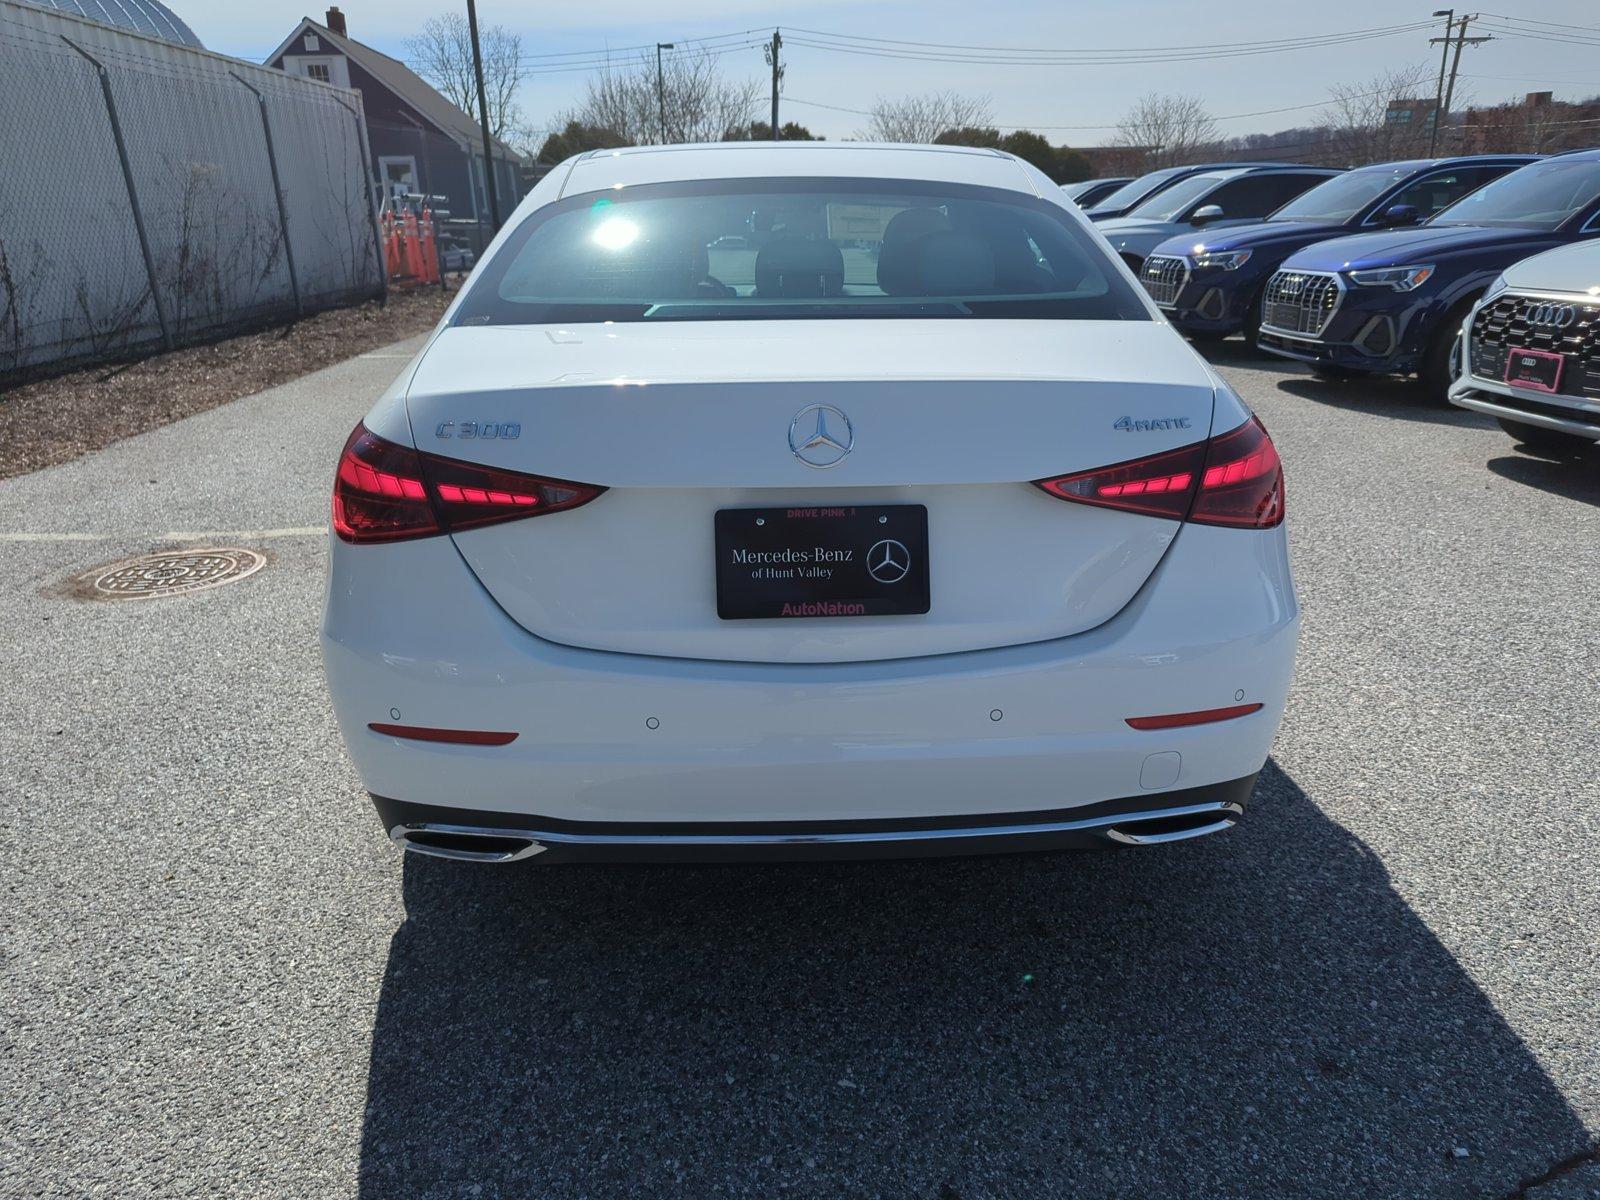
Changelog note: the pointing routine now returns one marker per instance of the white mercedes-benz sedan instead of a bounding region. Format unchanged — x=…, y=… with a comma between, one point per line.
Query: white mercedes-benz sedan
x=805, y=500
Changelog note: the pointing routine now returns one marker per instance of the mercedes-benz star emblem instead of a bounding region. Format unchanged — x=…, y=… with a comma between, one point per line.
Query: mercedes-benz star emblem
x=888, y=561
x=821, y=435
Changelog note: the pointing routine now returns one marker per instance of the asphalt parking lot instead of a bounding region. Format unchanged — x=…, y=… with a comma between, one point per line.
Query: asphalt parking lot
x=220, y=980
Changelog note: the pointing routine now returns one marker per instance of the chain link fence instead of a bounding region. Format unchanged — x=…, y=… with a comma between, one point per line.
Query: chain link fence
x=155, y=195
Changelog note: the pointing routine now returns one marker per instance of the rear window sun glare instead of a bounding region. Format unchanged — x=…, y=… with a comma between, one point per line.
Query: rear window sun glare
x=803, y=247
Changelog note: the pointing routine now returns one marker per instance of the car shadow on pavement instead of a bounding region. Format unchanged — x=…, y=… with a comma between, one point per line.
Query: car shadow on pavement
x=1385, y=396
x=1257, y=1014
x=1575, y=478
x=1235, y=352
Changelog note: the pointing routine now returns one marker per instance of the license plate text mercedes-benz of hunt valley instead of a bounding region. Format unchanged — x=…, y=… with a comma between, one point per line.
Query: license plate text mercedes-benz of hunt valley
x=823, y=561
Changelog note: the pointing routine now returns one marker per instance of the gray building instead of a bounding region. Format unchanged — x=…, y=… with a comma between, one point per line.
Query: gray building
x=158, y=194
x=149, y=17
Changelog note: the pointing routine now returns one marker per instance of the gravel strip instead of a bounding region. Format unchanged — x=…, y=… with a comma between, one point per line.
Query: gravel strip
x=56, y=420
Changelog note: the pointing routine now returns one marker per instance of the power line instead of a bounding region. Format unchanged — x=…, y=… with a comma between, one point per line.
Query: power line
x=569, y=61
x=613, y=61
x=580, y=60
x=1264, y=112
x=681, y=42
x=1552, y=24
x=1529, y=35
x=1036, y=59
x=1036, y=50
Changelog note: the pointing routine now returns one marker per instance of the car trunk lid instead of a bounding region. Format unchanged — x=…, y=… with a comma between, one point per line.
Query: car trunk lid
x=681, y=421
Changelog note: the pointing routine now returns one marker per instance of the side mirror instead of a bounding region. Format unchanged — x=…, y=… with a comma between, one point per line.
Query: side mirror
x=1206, y=214
x=1402, y=214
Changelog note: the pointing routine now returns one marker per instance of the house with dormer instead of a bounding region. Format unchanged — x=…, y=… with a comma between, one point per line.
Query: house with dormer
x=419, y=142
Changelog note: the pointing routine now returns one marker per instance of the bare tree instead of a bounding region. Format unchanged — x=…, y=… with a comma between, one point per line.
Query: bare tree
x=1365, y=121
x=442, y=54
x=923, y=118
x=1170, y=130
x=700, y=103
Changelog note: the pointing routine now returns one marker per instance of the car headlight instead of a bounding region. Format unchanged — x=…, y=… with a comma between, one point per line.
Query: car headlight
x=1400, y=279
x=1499, y=285
x=1228, y=260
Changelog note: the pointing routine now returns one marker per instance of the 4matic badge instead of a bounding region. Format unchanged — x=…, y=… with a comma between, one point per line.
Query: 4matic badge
x=1131, y=425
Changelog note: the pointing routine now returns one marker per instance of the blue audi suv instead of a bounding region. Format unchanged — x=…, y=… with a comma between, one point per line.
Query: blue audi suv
x=1394, y=303
x=1136, y=191
x=1210, y=284
x=1228, y=196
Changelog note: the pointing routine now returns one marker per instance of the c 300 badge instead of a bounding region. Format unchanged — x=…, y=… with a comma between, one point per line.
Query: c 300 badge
x=1130, y=425
x=481, y=430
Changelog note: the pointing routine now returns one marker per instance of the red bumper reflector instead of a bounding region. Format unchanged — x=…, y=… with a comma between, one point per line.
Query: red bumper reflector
x=1203, y=717
x=465, y=737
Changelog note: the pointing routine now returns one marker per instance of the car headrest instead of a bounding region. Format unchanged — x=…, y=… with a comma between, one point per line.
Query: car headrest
x=799, y=268
x=897, y=267
x=953, y=264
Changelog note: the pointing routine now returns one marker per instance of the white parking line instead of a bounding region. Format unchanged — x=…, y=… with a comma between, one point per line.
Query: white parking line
x=208, y=535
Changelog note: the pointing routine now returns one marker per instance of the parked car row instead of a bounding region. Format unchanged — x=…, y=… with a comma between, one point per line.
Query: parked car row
x=1214, y=199
x=1376, y=271
x=1091, y=191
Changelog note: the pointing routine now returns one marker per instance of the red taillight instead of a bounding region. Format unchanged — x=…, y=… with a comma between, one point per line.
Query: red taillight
x=384, y=492
x=1235, y=479
x=468, y=495
x=1159, y=486
x=1203, y=717
x=378, y=495
x=1243, y=481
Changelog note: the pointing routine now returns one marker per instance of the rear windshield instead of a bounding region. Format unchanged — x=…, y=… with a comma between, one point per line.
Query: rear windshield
x=1343, y=196
x=1136, y=190
x=1539, y=196
x=1165, y=206
x=770, y=249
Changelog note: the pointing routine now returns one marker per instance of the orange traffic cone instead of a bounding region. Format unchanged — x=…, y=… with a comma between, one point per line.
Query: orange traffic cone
x=390, y=266
x=430, y=249
x=411, y=246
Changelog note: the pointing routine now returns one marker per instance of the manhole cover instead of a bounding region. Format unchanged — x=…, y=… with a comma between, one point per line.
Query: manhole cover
x=168, y=573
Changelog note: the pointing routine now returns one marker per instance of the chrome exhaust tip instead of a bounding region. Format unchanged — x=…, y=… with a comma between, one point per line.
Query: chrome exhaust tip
x=466, y=843
x=1156, y=830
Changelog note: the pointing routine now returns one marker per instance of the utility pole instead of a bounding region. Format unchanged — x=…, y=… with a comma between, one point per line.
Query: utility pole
x=661, y=87
x=1449, y=15
x=777, y=73
x=1461, y=40
x=483, y=118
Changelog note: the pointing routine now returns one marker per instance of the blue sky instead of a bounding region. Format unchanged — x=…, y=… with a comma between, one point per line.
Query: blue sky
x=1034, y=96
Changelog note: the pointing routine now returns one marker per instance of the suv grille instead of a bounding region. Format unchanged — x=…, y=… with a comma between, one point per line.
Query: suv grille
x=1163, y=277
x=1301, y=302
x=1570, y=328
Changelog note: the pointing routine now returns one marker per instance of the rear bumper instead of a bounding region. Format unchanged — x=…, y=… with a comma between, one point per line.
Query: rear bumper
x=1145, y=820
x=411, y=638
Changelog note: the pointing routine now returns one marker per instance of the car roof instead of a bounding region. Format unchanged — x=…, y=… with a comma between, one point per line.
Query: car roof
x=631, y=166
x=1464, y=160
x=1234, y=171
